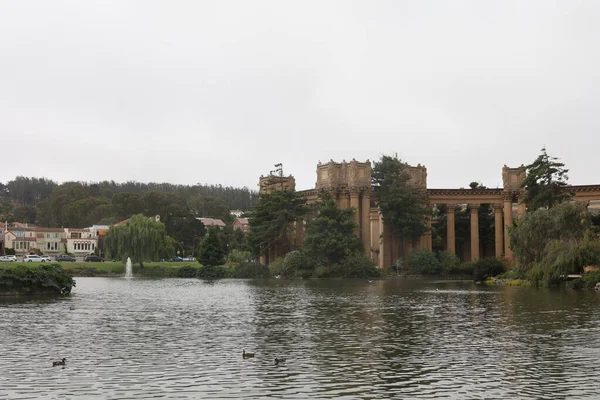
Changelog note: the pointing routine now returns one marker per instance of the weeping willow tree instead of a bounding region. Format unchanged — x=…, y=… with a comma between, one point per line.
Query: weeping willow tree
x=142, y=239
x=551, y=243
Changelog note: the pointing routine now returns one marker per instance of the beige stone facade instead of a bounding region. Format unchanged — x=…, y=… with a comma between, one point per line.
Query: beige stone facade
x=350, y=183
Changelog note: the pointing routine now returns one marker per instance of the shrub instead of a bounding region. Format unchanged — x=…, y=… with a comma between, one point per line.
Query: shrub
x=590, y=279
x=466, y=268
x=275, y=266
x=187, y=271
x=487, y=268
x=237, y=256
x=251, y=270
x=34, y=279
x=213, y=272
x=449, y=263
x=359, y=266
x=423, y=261
x=293, y=261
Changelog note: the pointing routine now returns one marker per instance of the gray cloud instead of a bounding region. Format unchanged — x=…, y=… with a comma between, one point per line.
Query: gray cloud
x=217, y=92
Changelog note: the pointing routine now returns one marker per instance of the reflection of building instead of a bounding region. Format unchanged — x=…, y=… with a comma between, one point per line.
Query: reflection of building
x=241, y=224
x=350, y=185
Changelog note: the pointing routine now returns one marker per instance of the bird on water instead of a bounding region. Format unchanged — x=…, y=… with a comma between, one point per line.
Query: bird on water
x=57, y=363
x=246, y=354
x=279, y=360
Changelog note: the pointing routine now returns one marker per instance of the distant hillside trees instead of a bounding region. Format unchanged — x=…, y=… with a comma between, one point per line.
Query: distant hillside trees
x=44, y=202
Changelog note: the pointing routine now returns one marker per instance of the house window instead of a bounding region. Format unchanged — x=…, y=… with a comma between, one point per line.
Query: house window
x=76, y=235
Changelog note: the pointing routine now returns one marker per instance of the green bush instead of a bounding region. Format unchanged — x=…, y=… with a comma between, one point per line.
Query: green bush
x=487, y=268
x=187, y=271
x=294, y=261
x=450, y=263
x=423, y=261
x=276, y=266
x=466, y=268
x=41, y=279
x=359, y=266
x=214, y=272
x=237, y=256
x=251, y=270
x=590, y=279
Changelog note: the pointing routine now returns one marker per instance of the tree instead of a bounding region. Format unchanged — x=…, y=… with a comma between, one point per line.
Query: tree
x=546, y=183
x=85, y=212
x=209, y=206
x=211, y=249
x=25, y=214
x=553, y=242
x=330, y=236
x=404, y=207
x=272, y=221
x=142, y=239
x=126, y=204
x=52, y=211
x=6, y=209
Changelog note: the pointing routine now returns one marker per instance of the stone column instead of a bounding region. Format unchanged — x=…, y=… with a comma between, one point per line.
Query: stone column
x=498, y=229
x=299, y=232
x=365, y=215
x=584, y=204
x=474, y=231
x=427, y=238
x=355, y=204
x=450, y=233
x=522, y=207
x=508, y=217
x=387, y=247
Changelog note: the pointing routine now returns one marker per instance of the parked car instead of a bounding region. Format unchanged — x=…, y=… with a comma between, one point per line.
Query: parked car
x=65, y=258
x=176, y=259
x=8, y=258
x=45, y=257
x=33, y=258
x=93, y=258
x=189, y=258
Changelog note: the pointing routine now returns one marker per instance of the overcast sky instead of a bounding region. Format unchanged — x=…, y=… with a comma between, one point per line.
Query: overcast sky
x=219, y=91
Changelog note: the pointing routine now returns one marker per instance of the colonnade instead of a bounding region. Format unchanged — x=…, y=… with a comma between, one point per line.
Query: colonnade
x=360, y=200
x=501, y=221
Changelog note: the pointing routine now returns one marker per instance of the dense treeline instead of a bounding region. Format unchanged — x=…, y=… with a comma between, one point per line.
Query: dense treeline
x=25, y=191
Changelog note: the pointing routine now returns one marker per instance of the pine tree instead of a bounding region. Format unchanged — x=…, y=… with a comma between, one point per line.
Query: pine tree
x=211, y=249
x=546, y=183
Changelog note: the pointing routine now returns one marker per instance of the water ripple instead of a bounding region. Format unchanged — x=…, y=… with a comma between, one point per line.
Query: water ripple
x=182, y=338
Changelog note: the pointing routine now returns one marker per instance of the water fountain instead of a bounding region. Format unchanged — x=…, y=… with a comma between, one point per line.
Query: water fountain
x=128, y=270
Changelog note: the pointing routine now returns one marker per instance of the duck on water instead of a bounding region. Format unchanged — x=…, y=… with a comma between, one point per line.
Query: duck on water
x=57, y=363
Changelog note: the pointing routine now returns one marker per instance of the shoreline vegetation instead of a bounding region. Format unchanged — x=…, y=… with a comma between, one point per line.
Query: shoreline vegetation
x=19, y=279
x=34, y=280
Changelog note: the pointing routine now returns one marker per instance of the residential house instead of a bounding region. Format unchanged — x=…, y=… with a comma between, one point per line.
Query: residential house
x=80, y=242
x=99, y=231
x=209, y=222
x=22, y=239
x=50, y=241
x=241, y=224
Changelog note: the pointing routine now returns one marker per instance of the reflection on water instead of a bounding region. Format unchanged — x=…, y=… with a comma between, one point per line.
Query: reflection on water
x=342, y=339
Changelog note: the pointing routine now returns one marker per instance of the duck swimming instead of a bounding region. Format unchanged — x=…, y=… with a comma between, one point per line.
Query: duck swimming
x=57, y=363
x=247, y=355
x=279, y=360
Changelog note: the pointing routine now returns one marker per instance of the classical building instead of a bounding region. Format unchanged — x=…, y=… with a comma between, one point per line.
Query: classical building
x=350, y=183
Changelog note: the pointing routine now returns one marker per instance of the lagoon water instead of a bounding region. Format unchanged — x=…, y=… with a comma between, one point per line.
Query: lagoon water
x=183, y=338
